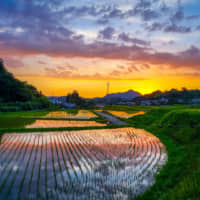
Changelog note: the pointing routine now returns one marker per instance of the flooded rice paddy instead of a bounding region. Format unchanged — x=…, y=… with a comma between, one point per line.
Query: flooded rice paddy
x=90, y=164
x=62, y=123
x=126, y=115
x=80, y=114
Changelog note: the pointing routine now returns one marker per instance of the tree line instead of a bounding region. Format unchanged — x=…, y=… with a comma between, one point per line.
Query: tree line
x=19, y=94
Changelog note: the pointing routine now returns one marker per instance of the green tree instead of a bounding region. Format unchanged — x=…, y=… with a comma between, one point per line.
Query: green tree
x=79, y=101
x=14, y=90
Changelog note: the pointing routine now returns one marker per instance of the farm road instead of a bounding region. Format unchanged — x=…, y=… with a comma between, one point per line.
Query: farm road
x=112, y=119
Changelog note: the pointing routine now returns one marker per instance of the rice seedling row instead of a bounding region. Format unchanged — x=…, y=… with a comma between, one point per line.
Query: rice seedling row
x=81, y=155
x=83, y=149
x=4, y=144
x=12, y=175
x=50, y=178
x=25, y=177
x=87, y=143
x=66, y=177
x=91, y=164
x=73, y=153
x=55, y=168
x=63, y=182
x=66, y=164
x=40, y=182
x=34, y=163
x=69, y=158
x=6, y=153
x=8, y=165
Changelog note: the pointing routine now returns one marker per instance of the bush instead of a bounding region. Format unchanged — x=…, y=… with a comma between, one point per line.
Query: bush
x=9, y=108
x=42, y=103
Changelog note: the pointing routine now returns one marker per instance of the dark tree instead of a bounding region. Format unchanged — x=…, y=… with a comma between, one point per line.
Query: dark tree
x=79, y=101
x=14, y=90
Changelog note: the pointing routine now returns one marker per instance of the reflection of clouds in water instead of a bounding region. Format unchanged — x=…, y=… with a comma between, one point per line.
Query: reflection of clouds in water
x=15, y=168
x=91, y=164
x=80, y=114
x=62, y=123
x=126, y=115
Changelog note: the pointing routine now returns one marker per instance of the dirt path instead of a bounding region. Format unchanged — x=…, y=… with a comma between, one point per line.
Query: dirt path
x=112, y=119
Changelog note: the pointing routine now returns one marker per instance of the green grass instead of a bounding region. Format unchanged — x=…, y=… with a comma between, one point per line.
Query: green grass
x=179, y=129
x=24, y=113
x=14, y=122
x=128, y=109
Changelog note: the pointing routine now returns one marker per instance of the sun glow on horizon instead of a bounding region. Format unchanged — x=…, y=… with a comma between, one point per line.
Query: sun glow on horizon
x=97, y=88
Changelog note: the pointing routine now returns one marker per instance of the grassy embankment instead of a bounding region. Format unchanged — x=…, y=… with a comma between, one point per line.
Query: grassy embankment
x=178, y=127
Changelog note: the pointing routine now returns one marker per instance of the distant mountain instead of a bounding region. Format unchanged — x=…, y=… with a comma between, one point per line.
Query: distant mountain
x=129, y=95
x=110, y=98
x=116, y=98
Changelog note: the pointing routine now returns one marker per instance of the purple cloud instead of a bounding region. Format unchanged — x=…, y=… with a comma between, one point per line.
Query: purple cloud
x=177, y=29
x=156, y=26
x=168, y=28
x=179, y=14
x=126, y=38
x=107, y=33
x=42, y=27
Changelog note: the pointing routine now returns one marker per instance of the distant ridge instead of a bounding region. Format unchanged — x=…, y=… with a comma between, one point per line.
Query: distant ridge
x=125, y=96
x=129, y=95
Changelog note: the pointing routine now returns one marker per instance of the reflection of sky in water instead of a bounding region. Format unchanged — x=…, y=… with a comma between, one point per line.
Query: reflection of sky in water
x=93, y=164
x=62, y=123
x=126, y=115
x=80, y=114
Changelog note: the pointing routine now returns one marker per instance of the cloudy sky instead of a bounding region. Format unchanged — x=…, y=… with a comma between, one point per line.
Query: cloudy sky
x=143, y=45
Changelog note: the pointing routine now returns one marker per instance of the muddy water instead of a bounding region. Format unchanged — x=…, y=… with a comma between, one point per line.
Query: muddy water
x=91, y=164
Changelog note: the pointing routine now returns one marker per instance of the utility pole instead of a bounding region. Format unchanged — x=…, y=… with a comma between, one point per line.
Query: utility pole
x=108, y=87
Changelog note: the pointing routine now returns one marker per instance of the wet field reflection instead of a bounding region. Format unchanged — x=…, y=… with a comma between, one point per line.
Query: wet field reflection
x=62, y=123
x=71, y=114
x=126, y=115
x=90, y=164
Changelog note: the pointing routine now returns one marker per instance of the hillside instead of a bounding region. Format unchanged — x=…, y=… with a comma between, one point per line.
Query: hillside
x=13, y=91
x=115, y=98
x=129, y=95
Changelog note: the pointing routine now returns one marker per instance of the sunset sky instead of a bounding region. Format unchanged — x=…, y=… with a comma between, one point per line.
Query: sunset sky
x=144, y=45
